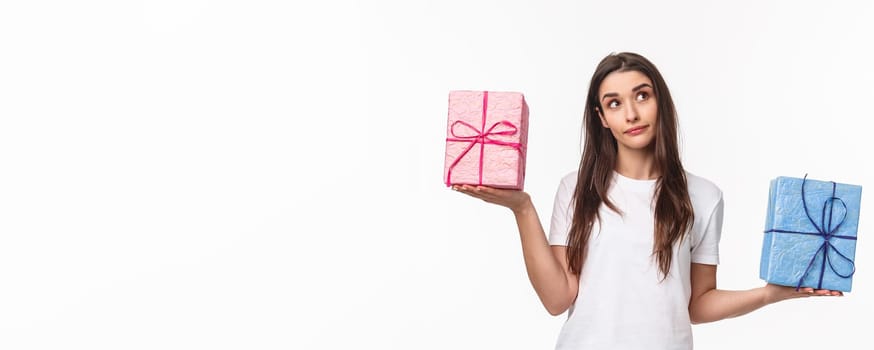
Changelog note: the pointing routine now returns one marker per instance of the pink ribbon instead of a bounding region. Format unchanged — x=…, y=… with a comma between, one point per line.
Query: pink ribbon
x=481, y=138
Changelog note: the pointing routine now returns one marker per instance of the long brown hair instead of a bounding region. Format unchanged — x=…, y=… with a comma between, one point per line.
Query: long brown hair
x=673, y=210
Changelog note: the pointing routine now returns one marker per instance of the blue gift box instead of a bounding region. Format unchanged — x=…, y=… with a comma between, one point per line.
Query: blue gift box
x=810, y=234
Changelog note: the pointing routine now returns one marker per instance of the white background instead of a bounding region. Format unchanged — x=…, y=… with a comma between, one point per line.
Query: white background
x=267, y=175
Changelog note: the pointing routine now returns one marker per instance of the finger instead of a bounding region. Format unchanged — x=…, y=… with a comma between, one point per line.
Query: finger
x=806, y=290
x=487, y=189
x=483, y=189
x=822, y=292
x=486, y=192
x=472, y=191
x=468, y=191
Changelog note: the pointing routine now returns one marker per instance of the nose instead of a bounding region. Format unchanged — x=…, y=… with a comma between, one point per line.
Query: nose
x=631, y=114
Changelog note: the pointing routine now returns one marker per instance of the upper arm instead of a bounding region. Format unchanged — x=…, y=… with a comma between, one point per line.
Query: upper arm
x=559, y=229
x=703, y=278
x=705, y=244
x=560, y=253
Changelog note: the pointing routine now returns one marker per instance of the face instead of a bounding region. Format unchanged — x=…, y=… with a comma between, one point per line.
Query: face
x=629, y=109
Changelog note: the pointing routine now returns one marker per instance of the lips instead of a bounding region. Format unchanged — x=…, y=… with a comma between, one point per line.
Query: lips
x=636, y=130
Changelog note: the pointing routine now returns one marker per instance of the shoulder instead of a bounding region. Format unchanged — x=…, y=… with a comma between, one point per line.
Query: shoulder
x=704, y=193
x=567, y=184
x=570, y=178
x=699, y=184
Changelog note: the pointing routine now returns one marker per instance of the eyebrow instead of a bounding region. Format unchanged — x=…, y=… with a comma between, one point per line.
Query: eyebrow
x=613, y=94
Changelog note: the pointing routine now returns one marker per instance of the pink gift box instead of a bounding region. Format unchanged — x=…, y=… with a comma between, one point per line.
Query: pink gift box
x=486, y=137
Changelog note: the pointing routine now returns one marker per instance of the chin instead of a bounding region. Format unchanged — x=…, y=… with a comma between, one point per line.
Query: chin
x=640, y=144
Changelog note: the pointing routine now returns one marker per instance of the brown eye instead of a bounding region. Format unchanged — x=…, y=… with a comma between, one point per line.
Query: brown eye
x=613, y=104
x=642, y=96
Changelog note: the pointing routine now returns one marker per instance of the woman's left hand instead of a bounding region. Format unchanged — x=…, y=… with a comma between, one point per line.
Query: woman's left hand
x=775, y=293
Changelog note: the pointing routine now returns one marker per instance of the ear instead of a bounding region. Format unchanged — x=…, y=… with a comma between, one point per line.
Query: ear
x=601, y=115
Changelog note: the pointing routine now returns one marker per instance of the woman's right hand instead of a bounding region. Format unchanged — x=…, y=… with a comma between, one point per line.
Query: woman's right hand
x=515, y=200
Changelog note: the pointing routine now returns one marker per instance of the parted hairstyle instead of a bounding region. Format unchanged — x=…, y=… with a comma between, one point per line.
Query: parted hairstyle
x=673, y=207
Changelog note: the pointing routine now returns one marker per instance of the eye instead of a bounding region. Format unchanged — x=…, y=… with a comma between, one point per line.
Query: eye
x=612, y=104
x=642, y=96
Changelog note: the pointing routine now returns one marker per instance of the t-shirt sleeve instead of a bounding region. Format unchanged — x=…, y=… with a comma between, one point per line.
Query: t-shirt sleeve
x=706, y=251
x=560, y=224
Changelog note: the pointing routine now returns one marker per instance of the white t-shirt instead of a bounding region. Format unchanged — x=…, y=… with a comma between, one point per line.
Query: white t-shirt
x=621, y=303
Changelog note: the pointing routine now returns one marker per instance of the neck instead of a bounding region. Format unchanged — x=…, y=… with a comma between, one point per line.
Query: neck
x=636, y=164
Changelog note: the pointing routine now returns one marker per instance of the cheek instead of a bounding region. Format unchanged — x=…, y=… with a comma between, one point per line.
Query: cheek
x=651, y=110
x=613, y=118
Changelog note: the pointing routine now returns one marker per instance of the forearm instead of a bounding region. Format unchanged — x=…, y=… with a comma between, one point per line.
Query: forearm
x=546, y=274
x=717, y=304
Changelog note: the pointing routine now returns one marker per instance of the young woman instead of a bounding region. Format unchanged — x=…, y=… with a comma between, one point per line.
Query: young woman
x=634, y=238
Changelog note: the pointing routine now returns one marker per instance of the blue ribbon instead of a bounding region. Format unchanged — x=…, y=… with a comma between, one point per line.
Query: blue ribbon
x=827, y=232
